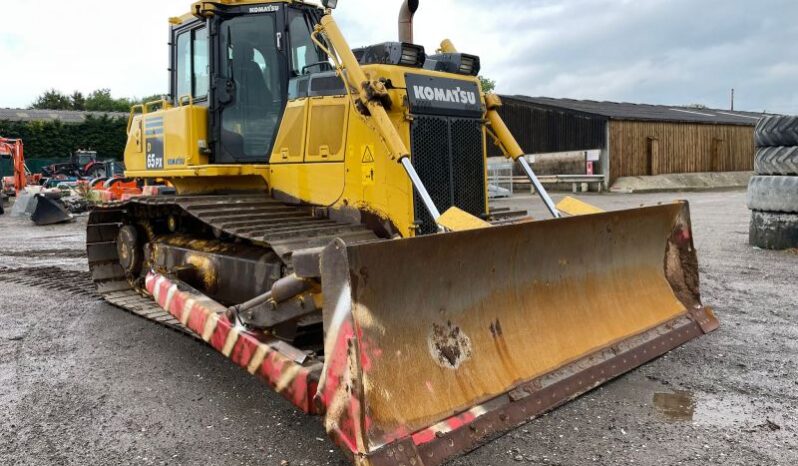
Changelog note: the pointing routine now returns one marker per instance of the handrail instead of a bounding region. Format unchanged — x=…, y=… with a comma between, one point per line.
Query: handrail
x=184, y=97
x=146, y=107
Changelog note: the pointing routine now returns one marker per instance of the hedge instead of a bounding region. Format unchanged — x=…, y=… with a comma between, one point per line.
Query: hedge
x=57, y=140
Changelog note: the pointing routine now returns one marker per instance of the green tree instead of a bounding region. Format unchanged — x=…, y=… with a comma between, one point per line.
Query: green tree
x=78, y=101
x=151, y=98
x=52, y=100
x=102, y=101
x=56, y=140
x=488, y=85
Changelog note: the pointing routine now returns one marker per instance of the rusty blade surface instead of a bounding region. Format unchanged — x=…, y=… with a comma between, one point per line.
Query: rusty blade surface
x=419, y=330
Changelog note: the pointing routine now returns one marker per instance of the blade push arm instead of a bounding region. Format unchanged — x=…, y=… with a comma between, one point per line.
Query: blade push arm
x=371, y=99
x=512, y=150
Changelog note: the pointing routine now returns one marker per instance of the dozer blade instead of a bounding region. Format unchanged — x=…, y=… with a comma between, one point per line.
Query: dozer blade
x=436, y=344
x=49, y=211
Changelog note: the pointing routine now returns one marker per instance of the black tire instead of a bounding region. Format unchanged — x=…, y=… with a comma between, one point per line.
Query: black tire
x=773, y=194
x=97, y=182
x=777, y=131
x=774, y=230
x=776, y=161
x=97, y=171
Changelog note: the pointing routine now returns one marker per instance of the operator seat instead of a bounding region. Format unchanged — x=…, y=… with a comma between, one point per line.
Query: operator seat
x=253, y=93
x=248, y=117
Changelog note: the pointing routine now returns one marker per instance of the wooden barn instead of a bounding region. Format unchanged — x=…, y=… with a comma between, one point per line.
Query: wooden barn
x=635, y=139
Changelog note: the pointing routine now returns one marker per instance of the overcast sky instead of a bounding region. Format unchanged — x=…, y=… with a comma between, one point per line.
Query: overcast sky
x=651, y=51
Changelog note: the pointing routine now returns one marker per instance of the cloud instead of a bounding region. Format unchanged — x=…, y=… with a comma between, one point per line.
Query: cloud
x=666, y=52
x=84, y=45
x=653, y=51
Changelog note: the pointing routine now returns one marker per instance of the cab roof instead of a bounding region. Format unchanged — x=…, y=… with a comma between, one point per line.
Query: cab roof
x=188, y=17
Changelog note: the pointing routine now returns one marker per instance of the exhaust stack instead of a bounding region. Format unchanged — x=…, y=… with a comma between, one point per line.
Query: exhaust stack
x=409, y=8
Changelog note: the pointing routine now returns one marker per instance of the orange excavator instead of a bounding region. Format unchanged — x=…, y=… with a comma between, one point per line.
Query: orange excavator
x=43, y=210
x=12, y=185
x=15, y=150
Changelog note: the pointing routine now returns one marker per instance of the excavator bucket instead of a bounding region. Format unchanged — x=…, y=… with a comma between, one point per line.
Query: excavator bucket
x=436, y=344
x=23, y=202
x=49, y=211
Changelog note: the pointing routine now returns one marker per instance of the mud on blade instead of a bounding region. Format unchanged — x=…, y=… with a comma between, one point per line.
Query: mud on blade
x=437, y=343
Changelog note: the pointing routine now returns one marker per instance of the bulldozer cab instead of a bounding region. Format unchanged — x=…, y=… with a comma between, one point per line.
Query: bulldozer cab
x=238, y=62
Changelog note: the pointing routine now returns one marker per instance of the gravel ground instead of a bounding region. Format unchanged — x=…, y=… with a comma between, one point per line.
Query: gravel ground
x=84, y=383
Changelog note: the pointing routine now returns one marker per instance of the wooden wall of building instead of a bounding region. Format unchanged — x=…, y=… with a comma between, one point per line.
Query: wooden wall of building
x=654, y=148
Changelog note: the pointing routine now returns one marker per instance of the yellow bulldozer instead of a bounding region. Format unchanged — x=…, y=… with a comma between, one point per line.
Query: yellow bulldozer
x=320, y=216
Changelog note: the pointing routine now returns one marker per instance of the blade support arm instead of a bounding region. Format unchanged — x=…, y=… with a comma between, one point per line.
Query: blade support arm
x=544, y=195
x=422, y=190
x=372, y=96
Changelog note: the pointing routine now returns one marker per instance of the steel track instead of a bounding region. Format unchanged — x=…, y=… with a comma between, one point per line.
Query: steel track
x=256, y=219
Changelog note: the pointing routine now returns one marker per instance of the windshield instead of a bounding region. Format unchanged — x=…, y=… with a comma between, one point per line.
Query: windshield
x=252, y=65
x=304, y=53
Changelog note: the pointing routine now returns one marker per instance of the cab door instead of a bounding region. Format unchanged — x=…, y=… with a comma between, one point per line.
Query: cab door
x=249, y=85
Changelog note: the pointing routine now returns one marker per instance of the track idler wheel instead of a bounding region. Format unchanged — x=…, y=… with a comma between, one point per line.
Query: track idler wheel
x=128, y=247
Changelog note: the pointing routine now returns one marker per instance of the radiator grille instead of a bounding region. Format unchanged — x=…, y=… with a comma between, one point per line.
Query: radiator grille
x=448, y=156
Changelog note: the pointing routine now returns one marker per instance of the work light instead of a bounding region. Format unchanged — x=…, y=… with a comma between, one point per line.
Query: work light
x=392, y=53
x=460, y=63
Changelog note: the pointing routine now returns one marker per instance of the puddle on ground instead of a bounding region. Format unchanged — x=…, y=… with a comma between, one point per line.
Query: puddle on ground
x=706, y=409
x=677, y=406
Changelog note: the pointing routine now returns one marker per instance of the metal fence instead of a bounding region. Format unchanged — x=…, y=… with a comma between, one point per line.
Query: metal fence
x=500, y=180
x=35, y=165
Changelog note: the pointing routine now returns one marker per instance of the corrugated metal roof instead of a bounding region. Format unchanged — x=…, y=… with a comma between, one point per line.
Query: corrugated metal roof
x=15, y=114
x=645, y=112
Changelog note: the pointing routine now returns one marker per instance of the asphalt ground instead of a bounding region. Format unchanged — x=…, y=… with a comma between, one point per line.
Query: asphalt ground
x=82, y=382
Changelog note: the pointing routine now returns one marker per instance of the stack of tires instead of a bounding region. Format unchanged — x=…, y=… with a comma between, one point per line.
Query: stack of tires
x=773, y=191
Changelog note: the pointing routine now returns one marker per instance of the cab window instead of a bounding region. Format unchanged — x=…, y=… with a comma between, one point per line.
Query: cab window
x=252, y=69
x=304, y=51
x=201, y=64
x=192, y=64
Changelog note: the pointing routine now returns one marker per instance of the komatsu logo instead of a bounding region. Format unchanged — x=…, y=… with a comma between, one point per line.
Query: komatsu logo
x=443, y=96
x=264, y=9
x=437, y=94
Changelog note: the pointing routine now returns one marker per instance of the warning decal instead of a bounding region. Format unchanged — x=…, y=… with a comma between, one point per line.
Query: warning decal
x=368, y=154
x=368, y=165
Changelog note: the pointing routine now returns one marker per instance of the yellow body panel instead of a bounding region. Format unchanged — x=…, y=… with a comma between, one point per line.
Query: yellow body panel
x=373, y=182
x=573, y=206
x=327, y=124
x=289, y=147
x=183, y=133
x=188, y=185
x=456, y=219
x=322, y=182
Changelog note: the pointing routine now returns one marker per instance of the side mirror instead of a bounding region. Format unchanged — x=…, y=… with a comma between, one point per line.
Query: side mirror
x=225, y=91
x=331, y=4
